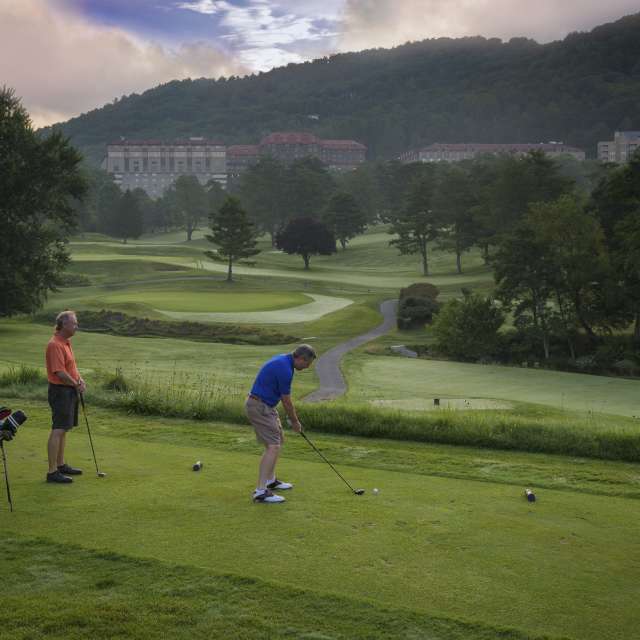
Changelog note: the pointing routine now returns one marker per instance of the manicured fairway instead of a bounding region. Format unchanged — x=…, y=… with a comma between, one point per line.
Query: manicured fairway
x=403, y=379
x=466, y=548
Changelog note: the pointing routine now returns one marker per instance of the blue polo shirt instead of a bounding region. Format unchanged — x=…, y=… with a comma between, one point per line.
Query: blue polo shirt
x=274, y=379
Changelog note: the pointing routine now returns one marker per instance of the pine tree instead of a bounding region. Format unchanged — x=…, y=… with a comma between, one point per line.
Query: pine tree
x=233, y=233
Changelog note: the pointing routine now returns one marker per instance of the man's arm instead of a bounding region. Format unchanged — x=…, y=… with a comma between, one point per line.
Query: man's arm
x=287, y=403
x=68, y=380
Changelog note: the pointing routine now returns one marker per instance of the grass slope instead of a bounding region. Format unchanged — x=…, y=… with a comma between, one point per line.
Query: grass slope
x=466, y=549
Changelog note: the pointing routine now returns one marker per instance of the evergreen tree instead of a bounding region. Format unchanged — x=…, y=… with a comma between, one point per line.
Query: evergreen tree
x=233, y=233
x=39, y=180
x=128, y=219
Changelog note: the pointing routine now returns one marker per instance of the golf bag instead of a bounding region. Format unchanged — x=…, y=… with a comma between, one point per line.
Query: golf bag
x=9, y=423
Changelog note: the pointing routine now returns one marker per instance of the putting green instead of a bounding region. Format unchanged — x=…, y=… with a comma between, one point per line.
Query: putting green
x=187, y=302
x=321, y=306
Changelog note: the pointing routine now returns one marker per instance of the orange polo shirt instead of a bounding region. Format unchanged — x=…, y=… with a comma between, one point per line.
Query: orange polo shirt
x=60, y=358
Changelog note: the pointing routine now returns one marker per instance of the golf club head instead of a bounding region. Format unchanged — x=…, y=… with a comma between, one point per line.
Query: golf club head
x=358, y=492
x=102, y=474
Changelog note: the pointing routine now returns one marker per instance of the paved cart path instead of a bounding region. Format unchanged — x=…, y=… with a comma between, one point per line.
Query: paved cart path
x=332, y=382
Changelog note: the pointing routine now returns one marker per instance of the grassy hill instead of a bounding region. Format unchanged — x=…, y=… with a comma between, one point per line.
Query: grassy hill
x=578, y=90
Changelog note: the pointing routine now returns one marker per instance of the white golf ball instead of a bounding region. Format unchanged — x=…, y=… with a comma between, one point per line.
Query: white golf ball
x=375, y=491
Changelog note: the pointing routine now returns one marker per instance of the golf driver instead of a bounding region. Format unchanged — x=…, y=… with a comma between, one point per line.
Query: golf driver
x=100, y=474
x=6, y=476
x=358, y=492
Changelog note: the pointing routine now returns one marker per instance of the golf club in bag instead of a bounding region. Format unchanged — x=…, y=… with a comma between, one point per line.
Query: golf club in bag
x=99, y=473
x=358, y=492
x=9, y=423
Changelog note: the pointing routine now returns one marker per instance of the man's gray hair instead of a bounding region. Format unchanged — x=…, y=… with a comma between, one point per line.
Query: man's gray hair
x=305, y=351
x=62, y=317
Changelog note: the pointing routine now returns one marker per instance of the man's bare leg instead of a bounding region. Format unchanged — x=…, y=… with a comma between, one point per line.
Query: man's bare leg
x=268, y=464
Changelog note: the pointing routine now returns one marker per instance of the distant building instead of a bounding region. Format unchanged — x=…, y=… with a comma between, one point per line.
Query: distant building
x=466, y=151
x=287, y=146
x=241, y=156
x=154, y=165
x=621, y=148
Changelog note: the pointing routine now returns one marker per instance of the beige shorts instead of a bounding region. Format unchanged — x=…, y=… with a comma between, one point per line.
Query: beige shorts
x=265, y=421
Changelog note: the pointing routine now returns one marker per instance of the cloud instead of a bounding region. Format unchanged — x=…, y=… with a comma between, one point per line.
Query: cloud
x=266, y=33
x=60, y=64
x=207, y=7
x=386, y=23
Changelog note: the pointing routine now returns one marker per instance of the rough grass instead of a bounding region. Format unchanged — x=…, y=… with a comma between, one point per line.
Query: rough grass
x=210, y=398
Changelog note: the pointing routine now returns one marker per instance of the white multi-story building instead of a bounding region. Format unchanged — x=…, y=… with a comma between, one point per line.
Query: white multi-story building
x=621, y=148
x=154, y=165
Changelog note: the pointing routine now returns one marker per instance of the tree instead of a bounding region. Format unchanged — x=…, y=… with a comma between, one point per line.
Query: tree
x=306, y=237
x=525, y=278
x=233, y=233
x=616, y=203
x=189, y=203
x=418, y=223
x=454, y=201
x=309, y=186
x=627, y=262
x=39, y=179
x=262, y=191
x=510, y=185
x=344, y=217
x=107, y=199
x=127, y=221
x=574, y=247
x=468, y=329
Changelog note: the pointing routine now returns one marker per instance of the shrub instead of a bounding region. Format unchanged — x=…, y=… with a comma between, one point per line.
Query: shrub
x=417, y=305
x=468, y=329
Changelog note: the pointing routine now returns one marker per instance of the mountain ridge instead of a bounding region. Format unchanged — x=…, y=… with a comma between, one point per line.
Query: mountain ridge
x=473, y=89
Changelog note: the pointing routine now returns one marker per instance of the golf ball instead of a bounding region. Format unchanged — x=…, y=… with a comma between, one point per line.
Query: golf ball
x=375, y=491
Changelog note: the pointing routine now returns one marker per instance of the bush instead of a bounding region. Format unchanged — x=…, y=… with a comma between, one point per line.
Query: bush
x=417, y=305
x=468, y=329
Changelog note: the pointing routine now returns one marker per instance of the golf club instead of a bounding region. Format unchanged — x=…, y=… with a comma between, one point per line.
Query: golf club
x=6, y=476
x=358, y=492
x=100, y=474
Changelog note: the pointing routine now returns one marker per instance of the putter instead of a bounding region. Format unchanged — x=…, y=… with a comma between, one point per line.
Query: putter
x=358, y=492
x=6, y=476
x=101, y=474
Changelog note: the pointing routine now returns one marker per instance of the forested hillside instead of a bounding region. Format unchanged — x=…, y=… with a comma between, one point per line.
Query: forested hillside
x=578, y=90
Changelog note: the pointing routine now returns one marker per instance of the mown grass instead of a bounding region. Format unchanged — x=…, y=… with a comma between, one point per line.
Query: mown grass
x=426, y=545
x=63, y=591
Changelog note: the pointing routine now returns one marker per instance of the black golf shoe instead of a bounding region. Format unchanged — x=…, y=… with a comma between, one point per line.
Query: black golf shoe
x=56, y=476
x=70, y=471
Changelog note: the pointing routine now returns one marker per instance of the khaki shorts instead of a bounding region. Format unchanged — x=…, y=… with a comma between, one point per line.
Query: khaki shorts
x=265, y=421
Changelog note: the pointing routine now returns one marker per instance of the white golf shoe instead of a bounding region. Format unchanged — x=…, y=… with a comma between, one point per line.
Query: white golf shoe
x=266, y=496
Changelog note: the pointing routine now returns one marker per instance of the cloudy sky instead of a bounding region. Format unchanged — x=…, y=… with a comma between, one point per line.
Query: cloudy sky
x=65, y=57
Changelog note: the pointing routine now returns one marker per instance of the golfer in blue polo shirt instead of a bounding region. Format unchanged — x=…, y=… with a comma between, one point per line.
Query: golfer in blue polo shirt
x=272, y=385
